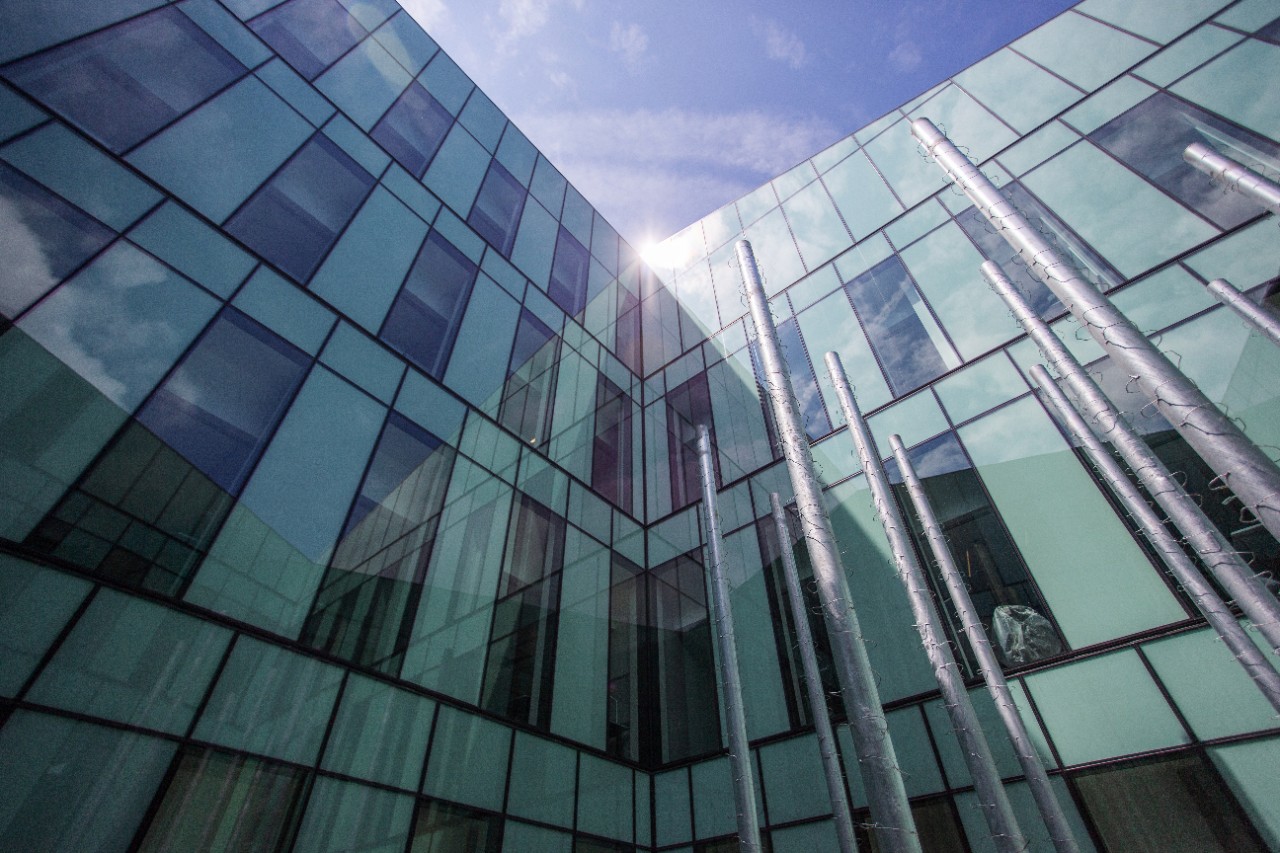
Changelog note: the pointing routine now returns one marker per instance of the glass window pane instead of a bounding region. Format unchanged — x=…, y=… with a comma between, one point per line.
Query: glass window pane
x=380, y=733
x=43, y=238
x=687, y=408
x=531, y=381
x=413, y=129
x=611, y=448
x=1020, y=92
x=295, y=217
x=543, y=780
x=496, y=213
x=35, y=604
x=309, y=34
x=468, y=761
x=569, y=273
x=424, y=319
x=1082, y=50
x=803, y=380
x=685, y=668
x=345, y=816
x=443, y=828
x=124, y=83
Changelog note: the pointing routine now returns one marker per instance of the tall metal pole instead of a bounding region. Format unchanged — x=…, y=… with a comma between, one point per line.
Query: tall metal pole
x=813, y=684
x=1258, y=317
x=992, y=798
x=1055, y=819
x=1234, y=176
x=1205, y=598
x=744, y=788
x=878, y=765
x=1240, y=464
x=1230, y=569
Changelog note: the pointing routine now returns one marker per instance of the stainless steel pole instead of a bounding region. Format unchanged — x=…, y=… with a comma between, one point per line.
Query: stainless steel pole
x=1055, y=820
x=1259, y=317
x=1230, y=569
x=744, y=788
x=1240, y=464
x=878, y=765
x=813, y=684
x=1205, y=598
x=1234, y=176
x=992, y=798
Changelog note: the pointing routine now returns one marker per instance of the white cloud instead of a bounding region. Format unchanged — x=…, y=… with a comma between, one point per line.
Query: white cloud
x=780, y=44
x=522, y=18
x=905, y=56
x=629, y=41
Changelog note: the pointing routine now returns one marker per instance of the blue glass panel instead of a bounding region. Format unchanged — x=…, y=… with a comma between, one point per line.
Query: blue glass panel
x=413, y=128
x=294, y=219
x=309, y=34
x=897, y=324
x=16, y=114
x=178, y=238
x=220, y=405
x=424, y=319
x=405, y=40
x=548, y=186
x=31, y=25
x=44, y=240
x=365, y=82
x=568, y=286
x=485, y=121
x=458, y=169
x=125, y=83
x=287, y=84
x=227, y=30
x=496, y=213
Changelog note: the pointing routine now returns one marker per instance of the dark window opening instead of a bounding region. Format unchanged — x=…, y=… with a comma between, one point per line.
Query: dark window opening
x=413, y=129
x=309, y=34
x=531, y=381
x=496, y=212
x=423, y=322
x=688, y=406
x=628, y=680
x=612, y=445
x=444, y=828
x=569, y=272
x=937, y=823
x=803, y=381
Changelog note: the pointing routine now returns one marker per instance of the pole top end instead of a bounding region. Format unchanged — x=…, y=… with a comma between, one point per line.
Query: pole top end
x=991, y=270
x=895, y=444
x=1041, y=375
x=926, y=131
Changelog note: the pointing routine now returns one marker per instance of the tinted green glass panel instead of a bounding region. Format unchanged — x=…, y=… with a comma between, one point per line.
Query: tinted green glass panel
x=175, y=236
x=1028, y=815
x=468, y=762
x=790, y=768
x=979, y=387
x=1250, y=770
x=1060, y=46
x=345, y=816
x=35, y=603
x=605, y=794
x=284, y=309
x=819, y=232
x=912, y=177
x=525, y=838
x=379, y=733
x=543, y=781
x=1196, y=49
x=775, y=251
x=1151, y=18
x=672, y=814
x=1022, y=94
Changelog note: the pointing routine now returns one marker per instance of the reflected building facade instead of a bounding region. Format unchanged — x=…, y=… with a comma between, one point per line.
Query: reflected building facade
x=350, y=487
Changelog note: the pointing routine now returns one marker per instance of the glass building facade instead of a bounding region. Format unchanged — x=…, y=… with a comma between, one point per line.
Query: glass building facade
x=349, y=493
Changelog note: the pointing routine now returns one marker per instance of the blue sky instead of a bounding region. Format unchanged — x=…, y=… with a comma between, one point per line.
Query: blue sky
x=660, y=112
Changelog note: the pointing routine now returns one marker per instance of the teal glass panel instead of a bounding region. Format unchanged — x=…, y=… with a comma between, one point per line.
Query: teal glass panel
x=714, y=809
x=915, y=418
x=757, y=647
x=1026, y=154
x=379, y=733
x=406, y=41
x=920, y=221
x=178, y=238
x=271, y=701
x=1247, y=258
x=543, y=781
x=75, y=787
x=1250, y=770
x=1251, y=15
x=1028, y=816
x=446, y=82
x=946, y=267
x=361, y=360
x=55, y=422
x=548, y=186
x=1209, y=686
x=428, y=404
x=135, y=662
x=267, y=562
x=757, y=203
x=605, y=794
x=1190, y=52
x=895, y=153
x=742, y=440
x=1150, y=18
x=794, y=179
x=954, y=762
x=820, y=235
x=35, y=604
x=286, y=310
x=644, y=812
x=468, y=762
x=491, y=447
x=805, y=838
x=121, y=322
x=673, y=816
x=875, y=128
x=407, y=189
x=896, y=656
x=980, y=386
x=965, y=119
x=227, y=31
x=790, y=771
x=346, y=816
x=37, y=24
x=813, y=287
x=16, y=114
x=535, y=243
x=722, y=226
x=1060, y=46
x=219, y=154
x=506, y=275
x=478, y=367
x=861, y=194
x=286, y=83
x=775, y=252
x=371, y=13
x=82, y=174
x=828, y=157
x=695, y=291
x=376, y=250
x=1164, y=298
x=525, y=838
x=580, y=701
x=606, y=244
x=1131, y=223
x=1020, y=92
x=577, y=215
x=460, y=235
x=451, y=635
x=1100, y=586
x=365, y=82
x=357, y=144
x=1102, y=106
x=458, y=169
x=834, y=458
x=485, y=121
x=1102, y=707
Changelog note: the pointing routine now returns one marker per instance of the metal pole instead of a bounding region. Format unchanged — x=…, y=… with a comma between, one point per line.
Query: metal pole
x=878, y=765
x=1055, y=820
x=992, y=798
x=1241, y=465
x=1234, y=176
x=1230, y=569
x=1180, y=566
x=813, y=684
x=744, y=788
x=1259, y=317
